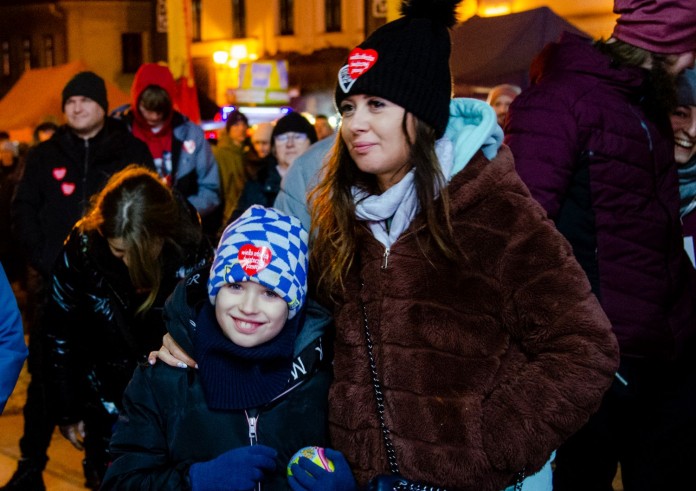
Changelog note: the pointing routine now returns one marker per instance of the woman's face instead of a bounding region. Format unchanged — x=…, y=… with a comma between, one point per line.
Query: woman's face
x=288, y=146
x=250, y=314
x=119, y=248
x=501, y=106
x=372, y=131
x=684, y=126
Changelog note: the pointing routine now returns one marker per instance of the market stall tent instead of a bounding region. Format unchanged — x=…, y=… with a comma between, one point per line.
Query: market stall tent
x=36, y=97
x=487, y=51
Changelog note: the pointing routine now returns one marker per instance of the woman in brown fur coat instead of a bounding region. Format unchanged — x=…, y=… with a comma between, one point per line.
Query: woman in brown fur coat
x=487, y=344
x=469, y=345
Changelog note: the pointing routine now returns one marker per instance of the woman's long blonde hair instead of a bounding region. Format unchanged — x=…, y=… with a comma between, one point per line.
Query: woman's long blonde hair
x=334, y=223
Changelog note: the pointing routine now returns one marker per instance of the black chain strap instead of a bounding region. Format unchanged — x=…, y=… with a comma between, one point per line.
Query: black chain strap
x=400, y=484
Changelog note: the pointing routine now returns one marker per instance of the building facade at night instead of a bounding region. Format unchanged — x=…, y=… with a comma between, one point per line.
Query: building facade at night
x=310, y=38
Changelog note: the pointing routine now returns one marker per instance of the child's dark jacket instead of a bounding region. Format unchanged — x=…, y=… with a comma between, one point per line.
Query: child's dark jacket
x=166, y=425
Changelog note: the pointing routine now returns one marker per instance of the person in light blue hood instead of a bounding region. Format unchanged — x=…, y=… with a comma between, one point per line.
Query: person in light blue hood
x=460, y=310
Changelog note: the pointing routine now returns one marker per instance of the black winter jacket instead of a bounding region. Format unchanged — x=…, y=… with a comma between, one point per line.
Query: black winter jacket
x=59, y=178
x=166, y=425
x=94, y=340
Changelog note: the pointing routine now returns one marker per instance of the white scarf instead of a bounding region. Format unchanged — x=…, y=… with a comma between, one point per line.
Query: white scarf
x=398, y=203
x=472, y=126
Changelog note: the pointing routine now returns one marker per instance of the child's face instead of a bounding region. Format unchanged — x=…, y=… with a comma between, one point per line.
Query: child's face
x=250, y=314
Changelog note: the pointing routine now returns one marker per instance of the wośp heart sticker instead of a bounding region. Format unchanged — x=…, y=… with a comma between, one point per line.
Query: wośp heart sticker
x=59, y=173
x=359, y=62
x=67, y=188
x=254, y=259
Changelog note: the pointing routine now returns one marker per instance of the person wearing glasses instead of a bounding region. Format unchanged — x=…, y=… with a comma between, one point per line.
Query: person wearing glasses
x=291, y=137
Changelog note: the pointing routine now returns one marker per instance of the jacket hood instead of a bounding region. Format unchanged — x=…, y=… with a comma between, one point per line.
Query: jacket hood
x=577, y=54
x=472, y=126
x=151, y=74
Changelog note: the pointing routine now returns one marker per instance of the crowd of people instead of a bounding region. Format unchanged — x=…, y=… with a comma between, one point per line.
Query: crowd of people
x=444, y=293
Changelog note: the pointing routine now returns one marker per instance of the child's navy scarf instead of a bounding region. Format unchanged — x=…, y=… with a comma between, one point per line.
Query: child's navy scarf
x=234, y=377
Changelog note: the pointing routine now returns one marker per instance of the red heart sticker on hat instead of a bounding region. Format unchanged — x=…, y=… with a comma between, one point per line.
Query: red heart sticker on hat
x=59, y=173
x=68, y=188
x=360, y=61
x=254, y=259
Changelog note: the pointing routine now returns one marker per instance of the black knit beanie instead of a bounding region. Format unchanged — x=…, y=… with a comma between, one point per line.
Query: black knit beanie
x=87, y=84
x=406, y=61
x=294, y=122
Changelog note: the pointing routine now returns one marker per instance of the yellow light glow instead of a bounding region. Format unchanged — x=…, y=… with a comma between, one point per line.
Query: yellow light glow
x=494, y=10
x=233, y=63
x=239, y=52
x=220, y=57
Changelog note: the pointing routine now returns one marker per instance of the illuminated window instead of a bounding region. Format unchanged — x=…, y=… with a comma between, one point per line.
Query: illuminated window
x=238, y=18
x=332, y=15
x=287, y=17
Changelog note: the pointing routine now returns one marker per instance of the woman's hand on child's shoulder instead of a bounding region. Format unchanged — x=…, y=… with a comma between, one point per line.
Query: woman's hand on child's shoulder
x=171, y=354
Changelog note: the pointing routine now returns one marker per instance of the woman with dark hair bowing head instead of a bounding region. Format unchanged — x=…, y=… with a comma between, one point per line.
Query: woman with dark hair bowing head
x=468, y=343
x=118, y=265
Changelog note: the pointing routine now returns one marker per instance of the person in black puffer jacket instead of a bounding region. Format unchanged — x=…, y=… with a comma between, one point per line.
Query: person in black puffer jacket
x=107, y=292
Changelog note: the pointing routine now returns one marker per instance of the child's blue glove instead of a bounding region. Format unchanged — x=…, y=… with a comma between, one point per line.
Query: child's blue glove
x=239, y=469
x=308, y=476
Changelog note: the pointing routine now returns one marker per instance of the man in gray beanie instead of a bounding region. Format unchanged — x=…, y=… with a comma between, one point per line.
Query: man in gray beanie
x=60, y=176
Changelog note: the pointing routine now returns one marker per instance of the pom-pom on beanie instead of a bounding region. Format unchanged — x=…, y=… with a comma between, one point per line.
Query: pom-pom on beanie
x=267, y=247
x=87, y=84
x=686, y=88
x=659, y=26
x=406, y=61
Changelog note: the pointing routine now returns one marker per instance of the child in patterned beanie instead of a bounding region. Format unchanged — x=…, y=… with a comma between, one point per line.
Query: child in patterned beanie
x=261, y=388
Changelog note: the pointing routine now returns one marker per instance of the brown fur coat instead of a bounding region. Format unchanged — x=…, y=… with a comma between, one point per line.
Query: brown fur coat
x=488, y=363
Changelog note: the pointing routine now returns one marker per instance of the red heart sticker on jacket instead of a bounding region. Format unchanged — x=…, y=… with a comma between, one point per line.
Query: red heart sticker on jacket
x=59, y=173
x=360, y=61
x=189, y=146
x=68, y=188
x=254, y=259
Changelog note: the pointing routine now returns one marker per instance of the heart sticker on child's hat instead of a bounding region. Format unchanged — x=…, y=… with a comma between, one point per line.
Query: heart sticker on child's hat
x=254, y=259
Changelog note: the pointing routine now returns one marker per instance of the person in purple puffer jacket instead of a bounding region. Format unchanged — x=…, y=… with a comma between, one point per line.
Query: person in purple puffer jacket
x=592, y=141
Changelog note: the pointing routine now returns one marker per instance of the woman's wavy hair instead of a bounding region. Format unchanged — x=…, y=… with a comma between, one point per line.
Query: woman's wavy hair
x=138, y=208
x=334, y=222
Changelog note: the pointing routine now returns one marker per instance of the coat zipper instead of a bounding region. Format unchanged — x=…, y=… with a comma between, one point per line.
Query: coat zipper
x=252, y=417
x=385, y=258
x=252, y=421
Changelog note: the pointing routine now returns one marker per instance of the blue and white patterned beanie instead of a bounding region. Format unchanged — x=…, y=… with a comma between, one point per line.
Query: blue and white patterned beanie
x=265, y=246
